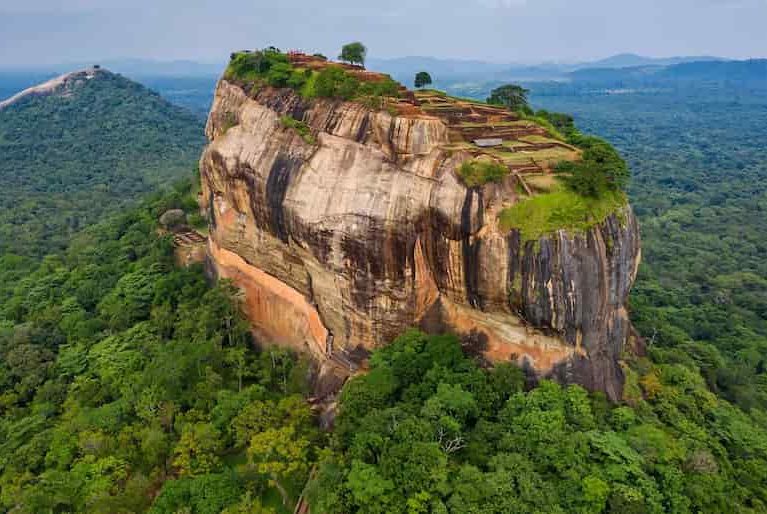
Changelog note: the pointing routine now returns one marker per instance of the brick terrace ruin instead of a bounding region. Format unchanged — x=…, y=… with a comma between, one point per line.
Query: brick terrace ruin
x=528, y=150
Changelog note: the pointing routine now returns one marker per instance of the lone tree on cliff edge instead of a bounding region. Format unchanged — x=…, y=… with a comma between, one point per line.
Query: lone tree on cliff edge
x=354, y=53
x=512, y=96
x=422, y=79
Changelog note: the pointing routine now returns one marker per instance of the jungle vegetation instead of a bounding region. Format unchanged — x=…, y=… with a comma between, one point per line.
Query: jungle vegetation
x=129, y=385
x=68, y=160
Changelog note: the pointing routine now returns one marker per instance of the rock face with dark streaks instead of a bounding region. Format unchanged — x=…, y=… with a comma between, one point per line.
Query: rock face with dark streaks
x=344, y=241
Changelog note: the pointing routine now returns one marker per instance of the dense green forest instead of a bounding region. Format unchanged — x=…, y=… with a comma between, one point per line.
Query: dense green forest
x=699, y=188
x=129, y=385
x=427, y=430
x=68, y=159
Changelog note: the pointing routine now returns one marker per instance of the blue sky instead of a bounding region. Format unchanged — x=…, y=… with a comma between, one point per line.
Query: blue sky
x=48, y=32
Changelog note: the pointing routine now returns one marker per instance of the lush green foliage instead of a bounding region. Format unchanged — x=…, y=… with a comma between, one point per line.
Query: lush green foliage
x=127, y=385
x=593, y=185
x=123, y=379
x=512, y=96
x=600, y=170
x=66, y=160
x=561, y=209
x=563, y=124
x=477, y=172
x=354, y=53
x=270, y=67
x=700, y=191
x=422, y=79
x=427, y=430
x=335, y=82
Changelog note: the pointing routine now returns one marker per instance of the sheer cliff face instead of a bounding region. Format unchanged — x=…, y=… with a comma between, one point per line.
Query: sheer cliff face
x=343, y=242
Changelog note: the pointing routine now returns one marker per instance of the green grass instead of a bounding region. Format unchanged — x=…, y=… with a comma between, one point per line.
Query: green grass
x=435, y=92
x=543, y=122
x=516, y=158
x=476, y=172
x=542, y=183
x=536, y=139
x=552, y=155
x=562, y=209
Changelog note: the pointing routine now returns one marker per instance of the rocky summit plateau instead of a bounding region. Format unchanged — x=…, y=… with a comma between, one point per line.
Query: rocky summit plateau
x=347, y=221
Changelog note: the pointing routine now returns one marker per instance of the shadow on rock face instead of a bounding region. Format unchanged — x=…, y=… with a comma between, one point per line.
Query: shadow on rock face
x=475, y=344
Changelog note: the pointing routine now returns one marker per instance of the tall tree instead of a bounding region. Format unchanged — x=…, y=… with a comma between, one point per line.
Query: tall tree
x=512, y=96
x=281, y=454
x=422, y=79
x=354, y=53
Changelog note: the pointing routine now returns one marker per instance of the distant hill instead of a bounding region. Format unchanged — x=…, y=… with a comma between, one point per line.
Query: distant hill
x=187, y=84
x=633, y=60
x=751, y=71
x=404, y=69
x=610, y=75
x=454, y=70
x=81, y=146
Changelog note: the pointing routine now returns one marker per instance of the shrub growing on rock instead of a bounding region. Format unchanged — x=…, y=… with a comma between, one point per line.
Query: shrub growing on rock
x=478, y=172
x=334, y=82
x=601, y=169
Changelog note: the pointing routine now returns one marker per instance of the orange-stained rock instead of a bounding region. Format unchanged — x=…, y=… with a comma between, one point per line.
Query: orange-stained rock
x=283, y=315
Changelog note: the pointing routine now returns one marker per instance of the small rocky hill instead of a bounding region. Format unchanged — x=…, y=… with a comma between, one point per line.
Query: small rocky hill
x=347, y=221
x=80, y=146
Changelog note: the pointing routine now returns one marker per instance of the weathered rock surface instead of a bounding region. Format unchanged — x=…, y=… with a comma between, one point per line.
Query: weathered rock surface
x=343, y=244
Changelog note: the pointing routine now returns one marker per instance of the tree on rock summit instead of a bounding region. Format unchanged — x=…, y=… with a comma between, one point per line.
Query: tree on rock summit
x=511, y=96
x=422, y=79
x=354, y=53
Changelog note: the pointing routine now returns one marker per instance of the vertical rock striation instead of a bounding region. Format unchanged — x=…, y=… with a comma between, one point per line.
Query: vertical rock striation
x=343, y=242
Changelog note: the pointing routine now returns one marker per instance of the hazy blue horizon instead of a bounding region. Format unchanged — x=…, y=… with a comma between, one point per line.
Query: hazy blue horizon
x=150, y=64
x=39, y=33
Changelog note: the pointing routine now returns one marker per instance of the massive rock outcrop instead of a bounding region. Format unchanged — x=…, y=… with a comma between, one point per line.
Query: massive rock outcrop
x=344, y=239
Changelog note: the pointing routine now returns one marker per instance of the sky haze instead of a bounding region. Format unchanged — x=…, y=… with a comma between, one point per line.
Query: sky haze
x=45, y=32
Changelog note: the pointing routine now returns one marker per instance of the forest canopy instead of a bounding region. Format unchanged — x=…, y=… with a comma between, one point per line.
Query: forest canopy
x=428, y=430
x=68, y=160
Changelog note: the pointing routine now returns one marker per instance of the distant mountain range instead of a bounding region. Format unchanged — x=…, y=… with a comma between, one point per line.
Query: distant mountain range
x=752, y=71
x=454, y=70
x=401, y=68
x=629, y=60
